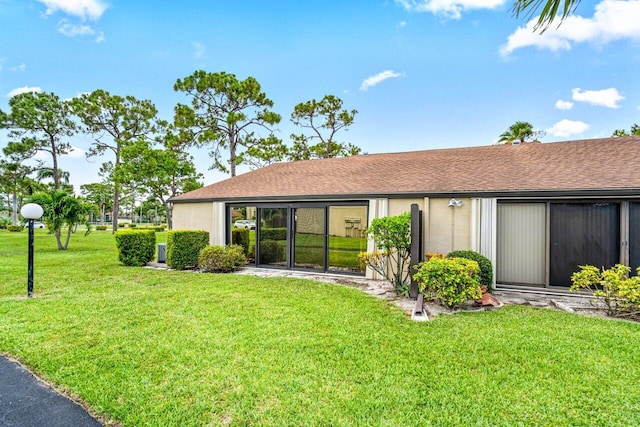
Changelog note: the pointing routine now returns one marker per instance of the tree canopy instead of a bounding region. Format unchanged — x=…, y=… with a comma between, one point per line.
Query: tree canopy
x=548, y=10
x=41, y=122
x=115, y=122
x=521, y=132
x=62, y=210
x=224, y=114
x=160, y=172
x=634, y=130
x=322, y=119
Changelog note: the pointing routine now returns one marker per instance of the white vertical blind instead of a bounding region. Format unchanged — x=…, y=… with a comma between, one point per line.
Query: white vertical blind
x=521, y=241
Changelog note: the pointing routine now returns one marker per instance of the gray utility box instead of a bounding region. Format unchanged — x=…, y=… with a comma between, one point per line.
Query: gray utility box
x=162, y=252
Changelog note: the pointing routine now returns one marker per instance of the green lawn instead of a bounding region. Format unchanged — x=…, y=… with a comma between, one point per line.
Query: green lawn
x=150, y=347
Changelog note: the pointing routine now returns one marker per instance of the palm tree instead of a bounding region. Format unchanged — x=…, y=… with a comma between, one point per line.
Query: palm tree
x=519, y=131
x=62, y=209
x=548, y=10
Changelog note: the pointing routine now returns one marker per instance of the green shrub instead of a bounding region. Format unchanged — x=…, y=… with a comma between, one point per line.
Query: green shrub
x=240, y=236
x=221, y=259
x=272, y=251
x=121, y=224
x=274, y=233
x=452, y=281
x=183, y=247
x=486, y=269
x=15, y=227
x=4, y=221
x=101, y=227
x=132, y=225
x=135, y=247
x=156, y=228
x=617, y=293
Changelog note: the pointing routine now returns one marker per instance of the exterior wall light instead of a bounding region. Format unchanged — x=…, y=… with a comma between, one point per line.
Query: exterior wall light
x=453, y=202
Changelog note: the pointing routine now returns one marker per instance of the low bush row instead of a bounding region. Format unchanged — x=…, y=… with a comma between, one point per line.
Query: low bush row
x=135, y=247
x=183, y=247
x=221, y=259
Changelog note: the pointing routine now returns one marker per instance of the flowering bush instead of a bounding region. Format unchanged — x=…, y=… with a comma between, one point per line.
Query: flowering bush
x=452, y=281
x=616, y=292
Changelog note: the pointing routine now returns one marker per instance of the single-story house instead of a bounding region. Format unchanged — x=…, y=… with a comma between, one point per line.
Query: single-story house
x=536, y=210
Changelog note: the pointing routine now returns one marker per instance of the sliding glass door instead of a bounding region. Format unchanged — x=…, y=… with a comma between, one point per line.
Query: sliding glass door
x=309, y=238
x=272, y=236
x=314, y=236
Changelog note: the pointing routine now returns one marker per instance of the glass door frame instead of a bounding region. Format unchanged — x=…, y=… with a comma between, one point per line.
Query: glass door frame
x=290, y=248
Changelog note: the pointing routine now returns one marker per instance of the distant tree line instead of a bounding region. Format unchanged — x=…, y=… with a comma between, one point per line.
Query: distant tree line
x=150, y=162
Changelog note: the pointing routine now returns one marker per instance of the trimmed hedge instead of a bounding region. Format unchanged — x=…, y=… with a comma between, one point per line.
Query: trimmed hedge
x=272, y=251
x=486, y=269
x=240, y=236
x=135, y=247
x=274, y=233
x=221, y=259
x=156, y=228
x=15, y=227
x=183, y=247
x=101, y=227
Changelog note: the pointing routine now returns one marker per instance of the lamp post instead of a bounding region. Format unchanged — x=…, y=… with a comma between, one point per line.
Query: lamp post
x=31, y=211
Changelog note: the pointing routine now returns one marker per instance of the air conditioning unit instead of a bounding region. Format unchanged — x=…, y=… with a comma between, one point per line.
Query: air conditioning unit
x=162, y=252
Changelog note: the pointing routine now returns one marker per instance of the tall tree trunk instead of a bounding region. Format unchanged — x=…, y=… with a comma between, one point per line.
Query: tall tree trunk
x=232, y=151
x=15, y=209
x=116, y=207
x=169, y=214
x=116, y=194
x=54, y=157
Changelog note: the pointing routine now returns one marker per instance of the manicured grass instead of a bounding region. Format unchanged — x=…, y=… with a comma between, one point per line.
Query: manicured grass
x=149, y=347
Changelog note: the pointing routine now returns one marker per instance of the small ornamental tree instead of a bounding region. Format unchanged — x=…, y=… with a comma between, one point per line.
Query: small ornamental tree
x=392, y=238
x=63, y=212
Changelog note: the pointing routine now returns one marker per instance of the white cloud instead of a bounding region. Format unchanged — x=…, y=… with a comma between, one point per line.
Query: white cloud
x=612, y=20
x=564, y=105
x=449, y=8
x=76, y=152
x=72, y=30
x=100, y=37
x=24, y=89
x=605, y=98
x=20, y=67
x=566, y=128
x=379, y=78
x=83, y=9
x=199, y=49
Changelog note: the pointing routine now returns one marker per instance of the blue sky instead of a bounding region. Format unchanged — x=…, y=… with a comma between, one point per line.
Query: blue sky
x=422, y=73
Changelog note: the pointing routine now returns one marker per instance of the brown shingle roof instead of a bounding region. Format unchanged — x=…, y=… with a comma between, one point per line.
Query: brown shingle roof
x=596, y=164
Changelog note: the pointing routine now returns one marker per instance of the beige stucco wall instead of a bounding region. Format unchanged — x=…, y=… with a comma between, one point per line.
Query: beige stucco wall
x=445, y=228
x=206, y=216
x=193, y=216
x=449, y=228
